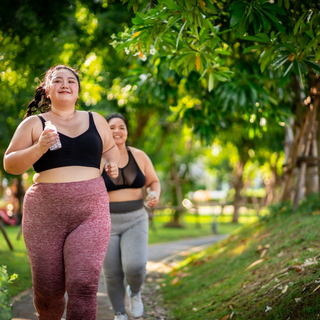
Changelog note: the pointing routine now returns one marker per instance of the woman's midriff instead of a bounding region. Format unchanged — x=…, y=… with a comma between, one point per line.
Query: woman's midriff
x=67, y=174
x=125, y=195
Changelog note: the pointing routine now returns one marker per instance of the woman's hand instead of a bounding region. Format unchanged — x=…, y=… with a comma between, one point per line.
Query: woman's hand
x=112, y=170
x=152, y=199
x=153, y=203
x=47, y=139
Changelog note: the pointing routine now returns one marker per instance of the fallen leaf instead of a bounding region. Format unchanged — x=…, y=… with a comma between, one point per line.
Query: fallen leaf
x=209, y=305
x=175, y=281
x=285, y=289
x=263, y=253
x=316, y=289
x=314, y=213
x=225, y=317
x=280, y=254
x=255, y=263
x=231, y=315
x=260, y=247
x=264, y=236
x=297, y=300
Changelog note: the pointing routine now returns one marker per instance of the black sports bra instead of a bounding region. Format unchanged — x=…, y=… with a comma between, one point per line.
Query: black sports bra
x=129, y=176
x=84, y=150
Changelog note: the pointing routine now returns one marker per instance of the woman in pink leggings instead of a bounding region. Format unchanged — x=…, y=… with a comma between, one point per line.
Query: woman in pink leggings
x=66, y=220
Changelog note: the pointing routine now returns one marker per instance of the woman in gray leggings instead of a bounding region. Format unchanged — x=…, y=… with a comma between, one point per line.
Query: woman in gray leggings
x=126, y=256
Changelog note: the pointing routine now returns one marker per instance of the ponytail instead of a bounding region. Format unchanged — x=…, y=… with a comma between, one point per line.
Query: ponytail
x=40, y=102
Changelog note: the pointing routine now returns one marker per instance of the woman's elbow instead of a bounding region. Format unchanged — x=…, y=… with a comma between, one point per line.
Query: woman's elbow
x=9, y=168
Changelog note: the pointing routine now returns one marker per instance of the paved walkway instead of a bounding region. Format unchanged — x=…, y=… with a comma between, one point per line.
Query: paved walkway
x=158, y=254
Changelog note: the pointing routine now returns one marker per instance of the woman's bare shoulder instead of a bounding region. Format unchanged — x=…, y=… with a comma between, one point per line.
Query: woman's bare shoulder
x=31, y=121
x=137, y=153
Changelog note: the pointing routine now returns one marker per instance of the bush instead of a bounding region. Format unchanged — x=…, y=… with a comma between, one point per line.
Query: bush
x=5, y=298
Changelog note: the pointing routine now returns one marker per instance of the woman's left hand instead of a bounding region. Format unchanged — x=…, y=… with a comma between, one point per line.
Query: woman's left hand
x=112, y=170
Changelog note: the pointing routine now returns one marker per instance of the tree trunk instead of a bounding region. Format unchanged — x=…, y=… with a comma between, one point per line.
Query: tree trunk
x=312, y=179
x=305, y=150
x=238, y=186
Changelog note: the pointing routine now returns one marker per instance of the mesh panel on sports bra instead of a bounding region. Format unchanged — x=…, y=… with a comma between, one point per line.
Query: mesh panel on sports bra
x=127, y=174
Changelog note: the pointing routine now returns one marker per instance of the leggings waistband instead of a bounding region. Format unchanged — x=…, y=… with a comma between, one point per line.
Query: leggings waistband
x=126, y=206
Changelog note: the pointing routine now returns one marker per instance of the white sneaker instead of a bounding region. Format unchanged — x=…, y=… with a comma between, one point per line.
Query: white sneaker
x=136, y=305
x=120, y=316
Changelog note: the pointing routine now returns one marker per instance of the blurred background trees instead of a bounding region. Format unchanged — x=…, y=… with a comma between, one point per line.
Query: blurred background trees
x=220, y=94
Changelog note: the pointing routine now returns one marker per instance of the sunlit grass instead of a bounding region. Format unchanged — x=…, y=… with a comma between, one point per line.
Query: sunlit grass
x=17, y=261
x=218, y=283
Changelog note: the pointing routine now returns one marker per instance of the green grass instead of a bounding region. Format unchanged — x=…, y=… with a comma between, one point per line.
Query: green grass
x=217, y=282
x=189, y=230
x=17, y=261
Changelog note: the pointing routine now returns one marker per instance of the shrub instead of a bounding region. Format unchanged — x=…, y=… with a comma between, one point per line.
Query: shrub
x=5, y=298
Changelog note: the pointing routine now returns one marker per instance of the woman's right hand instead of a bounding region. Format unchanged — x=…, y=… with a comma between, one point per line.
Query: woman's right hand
x=47, y=139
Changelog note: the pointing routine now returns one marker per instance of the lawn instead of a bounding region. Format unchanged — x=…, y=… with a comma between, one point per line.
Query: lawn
x=268, y=269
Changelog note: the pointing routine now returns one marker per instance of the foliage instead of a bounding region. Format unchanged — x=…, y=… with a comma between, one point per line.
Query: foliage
x=190, y=34
x=5, y=298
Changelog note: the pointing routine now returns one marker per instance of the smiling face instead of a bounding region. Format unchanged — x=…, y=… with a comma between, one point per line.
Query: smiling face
x=63, y=87
x=119, y=130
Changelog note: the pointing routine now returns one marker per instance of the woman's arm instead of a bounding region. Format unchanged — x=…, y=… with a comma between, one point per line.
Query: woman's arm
x=110, y=153
x=152, y=180
x=28, y=144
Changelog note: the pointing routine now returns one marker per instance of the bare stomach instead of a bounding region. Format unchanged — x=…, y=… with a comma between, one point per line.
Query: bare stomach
x=125, y=195
x=67, y=174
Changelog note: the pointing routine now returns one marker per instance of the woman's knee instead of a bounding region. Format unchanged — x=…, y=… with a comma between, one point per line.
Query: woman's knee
x=135, y=271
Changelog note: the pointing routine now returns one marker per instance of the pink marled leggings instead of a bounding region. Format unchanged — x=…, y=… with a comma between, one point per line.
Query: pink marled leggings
x=66, y=228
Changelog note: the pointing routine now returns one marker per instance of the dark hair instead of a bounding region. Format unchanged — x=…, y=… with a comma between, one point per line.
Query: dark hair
x=120, y=116
x=40, y=101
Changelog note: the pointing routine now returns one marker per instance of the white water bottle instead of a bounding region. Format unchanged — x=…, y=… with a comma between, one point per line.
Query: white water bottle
x=152, y=195
x=50, y=126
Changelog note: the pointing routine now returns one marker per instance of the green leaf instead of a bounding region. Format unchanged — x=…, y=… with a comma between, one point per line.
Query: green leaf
x=262, y=38
x=265, y=58
x=137, y=20
x=223, y=52
x=273, y=8
x=317, y=57
x=299, y=22
x=256, y=21
x=220, y=77
x=290, y=47
x=315, y=66
x=171, y=5
x=237, y=16
x=275, y=21
x=242, y=27
x=211, y=82
x=177, y=43
x=287, y=4
x=277, y=63
x=249, y=49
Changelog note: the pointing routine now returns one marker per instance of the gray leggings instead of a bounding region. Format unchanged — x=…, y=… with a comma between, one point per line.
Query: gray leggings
x=127, y=256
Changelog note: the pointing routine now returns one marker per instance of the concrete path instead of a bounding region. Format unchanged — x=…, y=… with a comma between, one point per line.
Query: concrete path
x=158, y=254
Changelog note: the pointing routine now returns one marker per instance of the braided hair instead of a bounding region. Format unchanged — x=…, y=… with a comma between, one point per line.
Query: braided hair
x=40, y=101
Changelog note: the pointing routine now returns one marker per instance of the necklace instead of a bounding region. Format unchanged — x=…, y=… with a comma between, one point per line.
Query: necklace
x=62, y=116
